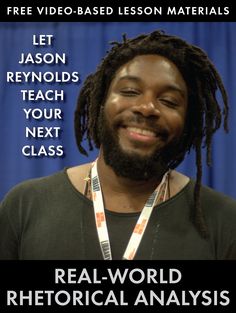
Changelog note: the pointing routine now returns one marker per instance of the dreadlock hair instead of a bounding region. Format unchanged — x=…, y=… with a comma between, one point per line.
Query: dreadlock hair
x=204, y=114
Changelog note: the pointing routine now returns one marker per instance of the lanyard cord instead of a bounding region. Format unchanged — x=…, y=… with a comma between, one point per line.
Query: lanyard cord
x=139, y=229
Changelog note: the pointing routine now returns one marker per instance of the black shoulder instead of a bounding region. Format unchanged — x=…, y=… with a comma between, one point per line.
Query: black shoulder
x=218, y=202
x=34, y=187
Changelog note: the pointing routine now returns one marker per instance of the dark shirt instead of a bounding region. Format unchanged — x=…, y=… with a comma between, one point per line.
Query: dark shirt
x=48, y=218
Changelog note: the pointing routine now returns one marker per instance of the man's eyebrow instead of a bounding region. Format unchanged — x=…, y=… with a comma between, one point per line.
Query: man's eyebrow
x=173, y=87
x=130, y=77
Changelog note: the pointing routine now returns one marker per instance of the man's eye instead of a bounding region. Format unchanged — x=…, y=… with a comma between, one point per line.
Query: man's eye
x=170, y=103
x=129, y=92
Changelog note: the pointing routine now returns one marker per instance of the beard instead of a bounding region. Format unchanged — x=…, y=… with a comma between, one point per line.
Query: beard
x=131, y=164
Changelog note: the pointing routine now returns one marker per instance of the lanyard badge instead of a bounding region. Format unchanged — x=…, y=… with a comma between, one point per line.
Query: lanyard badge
x=139, y=229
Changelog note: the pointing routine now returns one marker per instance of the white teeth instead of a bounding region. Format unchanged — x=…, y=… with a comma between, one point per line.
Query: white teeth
x=142, y=131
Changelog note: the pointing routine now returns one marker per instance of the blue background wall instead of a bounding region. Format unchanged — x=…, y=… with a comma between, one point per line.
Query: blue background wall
x=85, y=44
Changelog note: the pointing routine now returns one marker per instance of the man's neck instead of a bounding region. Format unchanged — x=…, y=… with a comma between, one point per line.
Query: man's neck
x=123, y=194
x=113, y=183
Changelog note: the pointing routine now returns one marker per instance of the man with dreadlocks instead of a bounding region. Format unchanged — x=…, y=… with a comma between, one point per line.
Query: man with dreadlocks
x=151, y=100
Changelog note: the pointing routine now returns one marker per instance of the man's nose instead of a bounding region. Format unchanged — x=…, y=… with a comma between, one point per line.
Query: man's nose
x=147, y=107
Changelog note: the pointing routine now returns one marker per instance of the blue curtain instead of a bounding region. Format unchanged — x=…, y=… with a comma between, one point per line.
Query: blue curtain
x=85, y=44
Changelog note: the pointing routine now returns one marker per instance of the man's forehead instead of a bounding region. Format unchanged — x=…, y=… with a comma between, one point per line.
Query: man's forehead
x=146, y=62
x=151, y=67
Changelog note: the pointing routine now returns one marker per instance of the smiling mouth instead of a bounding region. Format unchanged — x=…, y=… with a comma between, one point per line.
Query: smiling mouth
x=141, y=131
x=139, y=135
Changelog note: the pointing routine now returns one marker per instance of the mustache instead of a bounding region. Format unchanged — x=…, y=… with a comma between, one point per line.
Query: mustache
x=144, y=122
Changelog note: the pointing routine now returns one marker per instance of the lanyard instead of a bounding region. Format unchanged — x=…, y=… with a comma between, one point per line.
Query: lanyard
x=100, y=218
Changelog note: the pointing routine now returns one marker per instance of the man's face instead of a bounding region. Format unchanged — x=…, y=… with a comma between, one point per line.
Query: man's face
x=144, y=114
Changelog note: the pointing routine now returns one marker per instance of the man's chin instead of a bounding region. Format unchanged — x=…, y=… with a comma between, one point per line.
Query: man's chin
x=130, y=161
x=138, y=156
x=139, y=151
x=133, y=165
